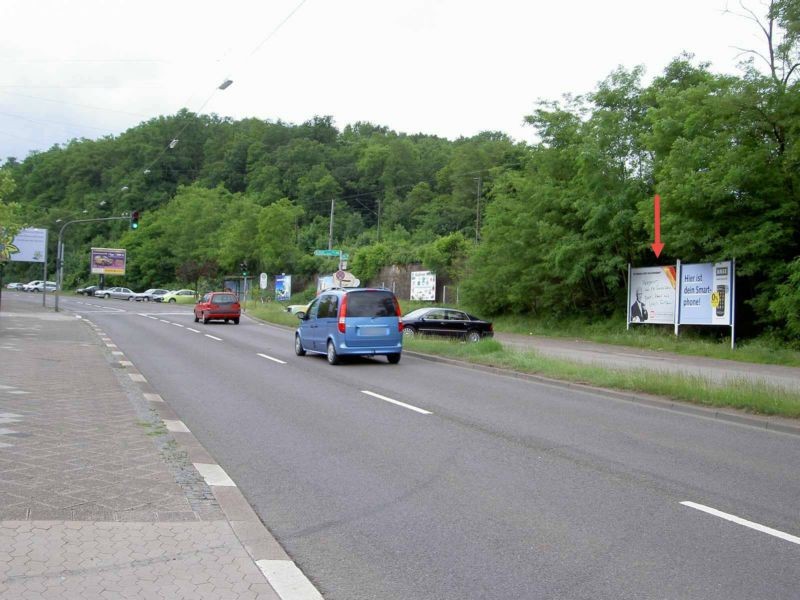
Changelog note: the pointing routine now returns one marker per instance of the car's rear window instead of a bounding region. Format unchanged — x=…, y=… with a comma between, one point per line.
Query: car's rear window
x=224, y=298
x=370, y=304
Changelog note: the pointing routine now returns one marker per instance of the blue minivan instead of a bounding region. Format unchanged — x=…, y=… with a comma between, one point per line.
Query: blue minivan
x=351, y=322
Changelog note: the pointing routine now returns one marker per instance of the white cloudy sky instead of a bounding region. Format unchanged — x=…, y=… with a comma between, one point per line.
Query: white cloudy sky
x=90, y=68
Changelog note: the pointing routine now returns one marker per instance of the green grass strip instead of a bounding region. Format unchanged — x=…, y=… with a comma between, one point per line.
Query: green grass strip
x=753, y=397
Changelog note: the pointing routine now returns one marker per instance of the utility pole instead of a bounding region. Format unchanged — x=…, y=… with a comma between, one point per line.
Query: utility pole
x=478, y=210
x=330, y=229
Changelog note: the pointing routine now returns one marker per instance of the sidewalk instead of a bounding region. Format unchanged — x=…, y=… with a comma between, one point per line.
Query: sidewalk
x=101, y=492
x=625, y=357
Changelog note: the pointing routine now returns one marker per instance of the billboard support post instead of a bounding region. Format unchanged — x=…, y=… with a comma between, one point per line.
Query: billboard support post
x=628, y=326
x=733, y=303
x=677, y=297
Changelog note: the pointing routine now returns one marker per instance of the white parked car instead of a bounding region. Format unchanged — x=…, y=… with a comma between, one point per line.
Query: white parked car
x=38, y=286
x=14, y=286
x=151, y=295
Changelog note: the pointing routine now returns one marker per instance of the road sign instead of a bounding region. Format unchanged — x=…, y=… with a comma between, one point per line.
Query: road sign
x=262, y=281
x=344, y=255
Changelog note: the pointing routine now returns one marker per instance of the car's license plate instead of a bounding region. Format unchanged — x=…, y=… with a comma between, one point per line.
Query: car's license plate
x=372, y=331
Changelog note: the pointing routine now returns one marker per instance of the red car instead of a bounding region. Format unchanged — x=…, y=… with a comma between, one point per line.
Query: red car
x=219, y=306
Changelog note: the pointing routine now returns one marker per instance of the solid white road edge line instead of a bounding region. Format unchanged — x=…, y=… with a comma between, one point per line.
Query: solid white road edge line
x=214, y=475
x=745, y=522
x=213, y=338
x=277, y=360
x=287, y=580
x=397, y=402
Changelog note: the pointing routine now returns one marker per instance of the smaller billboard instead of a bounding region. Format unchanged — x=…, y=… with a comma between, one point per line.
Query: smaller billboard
x=423, y=285
x=30, y=245
x=651, y=295
x=283, y=287
x=108, y=261
x=706, y=294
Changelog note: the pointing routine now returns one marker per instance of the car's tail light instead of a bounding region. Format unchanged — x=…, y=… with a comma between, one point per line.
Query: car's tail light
x=490, y=327
x=342, y=314
x=399, y=314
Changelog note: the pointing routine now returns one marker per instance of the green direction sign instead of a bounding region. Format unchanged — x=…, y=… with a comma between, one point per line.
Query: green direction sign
x=345, y=255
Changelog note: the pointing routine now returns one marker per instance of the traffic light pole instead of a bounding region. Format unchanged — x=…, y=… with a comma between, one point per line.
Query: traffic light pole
x=60, y=250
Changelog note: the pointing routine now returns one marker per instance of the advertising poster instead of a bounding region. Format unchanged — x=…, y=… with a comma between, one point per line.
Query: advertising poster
x=651, y=295
x=706, y=291
x=29, y=245
x=283, y=287
x=108, y=261
x=423, y=285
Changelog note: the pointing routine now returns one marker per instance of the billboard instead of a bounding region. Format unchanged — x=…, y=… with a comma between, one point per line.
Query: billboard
x=706, y=293
x=651, y=295
x=283, y=287
x=30, y=245
x=108, y=261
x=423, y=285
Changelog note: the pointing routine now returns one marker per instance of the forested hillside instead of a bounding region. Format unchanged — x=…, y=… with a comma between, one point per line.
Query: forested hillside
x=547, y=228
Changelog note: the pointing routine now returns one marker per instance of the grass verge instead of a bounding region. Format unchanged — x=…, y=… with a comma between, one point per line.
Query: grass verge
x=756, y=398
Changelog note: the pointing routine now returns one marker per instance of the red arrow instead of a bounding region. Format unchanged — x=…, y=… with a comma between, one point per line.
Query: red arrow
x=657, y=246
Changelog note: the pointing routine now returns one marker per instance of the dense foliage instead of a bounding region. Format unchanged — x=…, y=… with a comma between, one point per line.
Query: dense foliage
x=547, y=228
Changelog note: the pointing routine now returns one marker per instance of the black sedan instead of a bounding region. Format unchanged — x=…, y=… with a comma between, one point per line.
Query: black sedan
x=87, y=291
x=448, y=322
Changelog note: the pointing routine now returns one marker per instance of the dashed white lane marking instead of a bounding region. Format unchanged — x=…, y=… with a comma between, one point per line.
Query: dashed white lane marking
x=192, y=330
x=176, y=426
x=137, y=377
x=213, y=338
x=287, y=580
x=176, y=324
x=153, y=397
x=125, y=363
x=154, y=318
x=163, y=320
x=117, y=353
x=277, y=360
x=17, y=392
x=214, y=475
x=744, y=522
x=111, y=345
x=397, y=402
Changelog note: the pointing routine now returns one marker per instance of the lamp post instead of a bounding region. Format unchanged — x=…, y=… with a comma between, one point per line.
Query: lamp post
x=60, y=249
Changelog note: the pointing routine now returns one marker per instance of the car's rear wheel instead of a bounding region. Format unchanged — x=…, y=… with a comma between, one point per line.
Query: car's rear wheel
x=298, y=346
x=206, y=318
x=171, y=300
x=409, y=331
x=236, y=321
x=473, y=336
x=393, y=358
x=107, y=296
x=333, y=358
x=130, y=298
x=147, y=298
x=196, y=318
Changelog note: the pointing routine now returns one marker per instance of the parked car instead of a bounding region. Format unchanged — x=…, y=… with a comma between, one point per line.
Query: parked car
x=39, y=286
x=297, y=309
x=151, y=295
x=120, y=293
x=447, y=322
x=88, y=290
x=180, y=296
x=14, y=286
x=218, y=306
x=353, y=321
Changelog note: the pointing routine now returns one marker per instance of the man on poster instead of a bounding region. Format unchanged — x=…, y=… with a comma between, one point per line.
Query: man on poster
x=638, y=311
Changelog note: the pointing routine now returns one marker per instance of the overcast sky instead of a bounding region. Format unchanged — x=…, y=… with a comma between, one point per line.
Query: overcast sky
x=91, y=68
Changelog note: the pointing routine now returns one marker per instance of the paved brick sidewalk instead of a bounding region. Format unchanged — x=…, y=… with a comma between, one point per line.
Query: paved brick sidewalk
x=97, y=498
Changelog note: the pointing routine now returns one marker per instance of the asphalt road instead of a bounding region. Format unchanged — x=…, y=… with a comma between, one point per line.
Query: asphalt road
x=479, y=485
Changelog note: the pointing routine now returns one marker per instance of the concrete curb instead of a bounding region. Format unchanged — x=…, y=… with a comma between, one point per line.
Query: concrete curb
x=265, y=551
x=728, y=415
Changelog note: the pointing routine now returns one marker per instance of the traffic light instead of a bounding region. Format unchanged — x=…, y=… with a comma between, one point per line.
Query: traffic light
x=135, y=219
x=244, y=269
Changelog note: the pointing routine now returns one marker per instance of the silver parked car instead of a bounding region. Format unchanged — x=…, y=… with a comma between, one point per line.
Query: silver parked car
x=120, y=293
x=151, y=295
